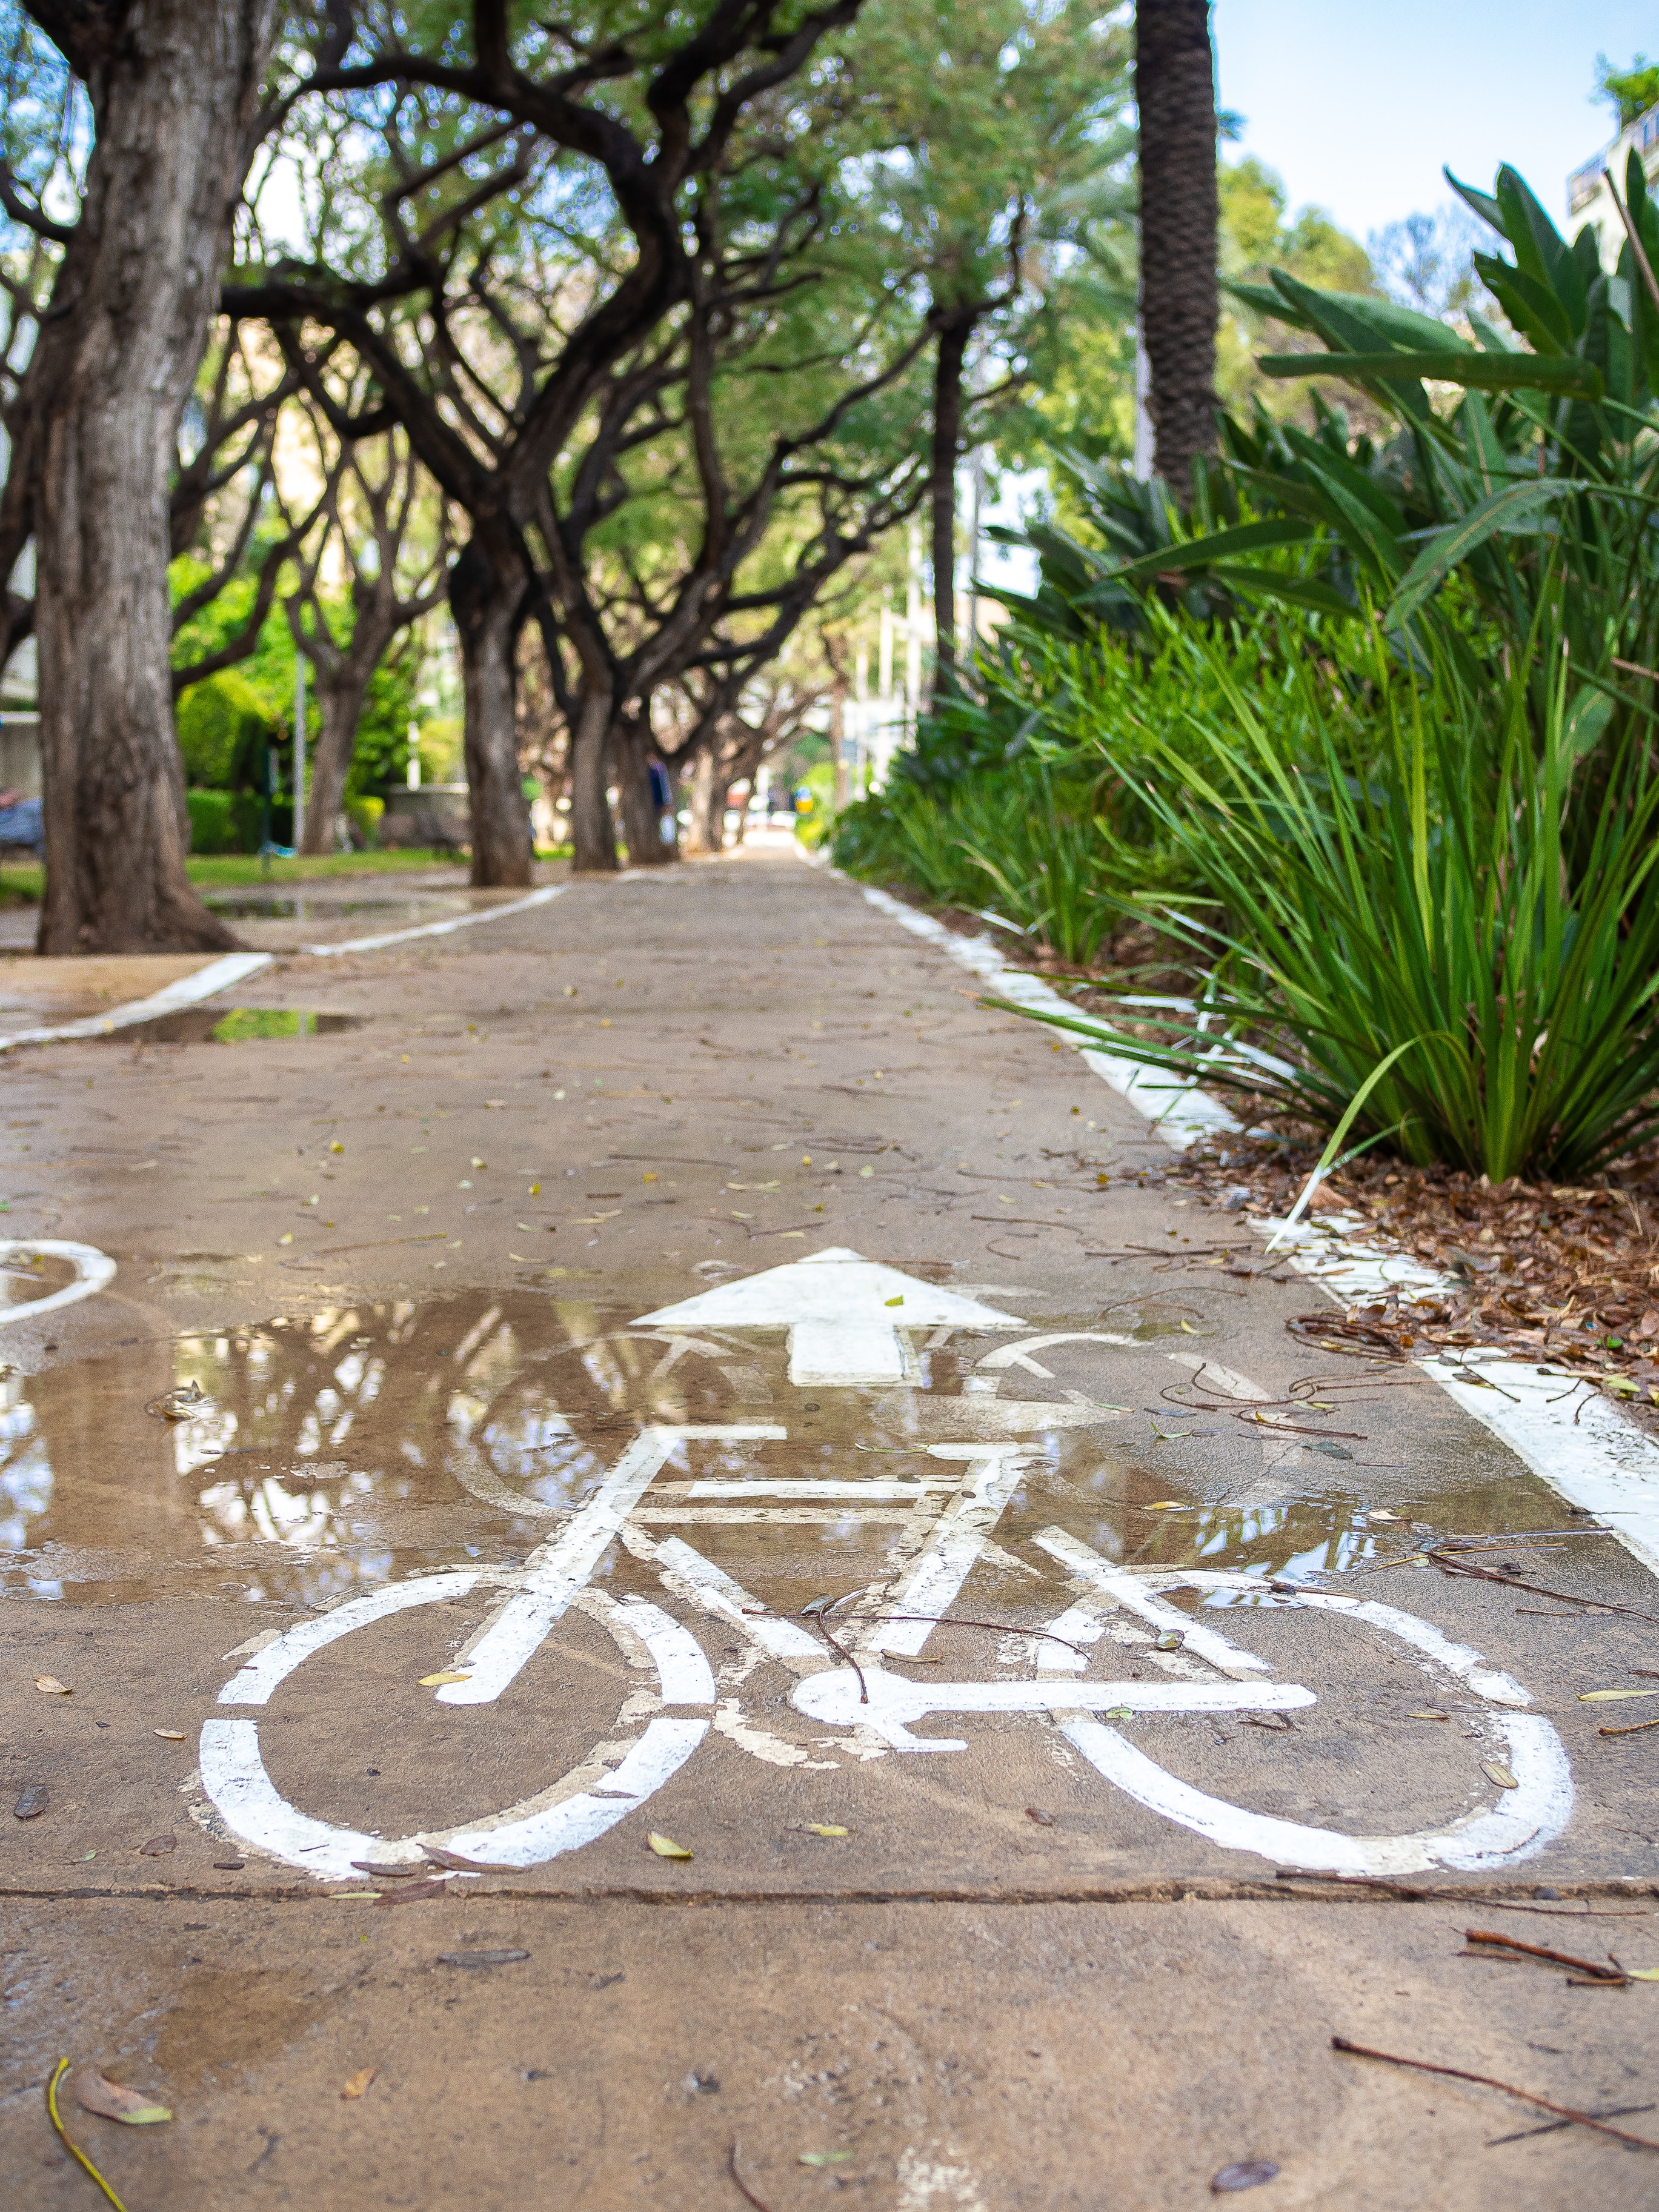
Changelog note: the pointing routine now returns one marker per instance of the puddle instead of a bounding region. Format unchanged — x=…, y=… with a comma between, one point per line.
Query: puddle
x=314, y=1455
x=295, y=906
x=241, y=1025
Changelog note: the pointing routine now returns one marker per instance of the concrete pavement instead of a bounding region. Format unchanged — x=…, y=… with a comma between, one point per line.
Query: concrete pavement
x=373, y=1398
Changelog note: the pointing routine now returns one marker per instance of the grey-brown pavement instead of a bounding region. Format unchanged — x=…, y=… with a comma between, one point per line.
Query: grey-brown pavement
x=368, y=1380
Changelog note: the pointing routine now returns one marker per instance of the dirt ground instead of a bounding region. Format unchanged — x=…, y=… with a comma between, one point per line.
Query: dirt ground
x=401, y=1240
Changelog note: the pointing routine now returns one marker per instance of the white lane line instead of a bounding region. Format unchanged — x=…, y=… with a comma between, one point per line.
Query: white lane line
x=1582, y=1445
x=1180, y=1112
x=188, y=991
x=436, y=928
x=236, y=967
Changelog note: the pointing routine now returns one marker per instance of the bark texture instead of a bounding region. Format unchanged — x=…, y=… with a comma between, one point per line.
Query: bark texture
x=631, y=752
x=1175, y=93
x=593, y=834
x=489, y=592
x=173, y=90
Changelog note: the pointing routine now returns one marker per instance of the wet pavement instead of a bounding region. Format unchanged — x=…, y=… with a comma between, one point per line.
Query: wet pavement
x=494, y=1441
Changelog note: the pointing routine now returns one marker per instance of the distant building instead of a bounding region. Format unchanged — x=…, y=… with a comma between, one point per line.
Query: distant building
x=1589, y=199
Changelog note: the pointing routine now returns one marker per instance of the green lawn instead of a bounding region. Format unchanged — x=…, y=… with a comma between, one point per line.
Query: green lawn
x=222, y=871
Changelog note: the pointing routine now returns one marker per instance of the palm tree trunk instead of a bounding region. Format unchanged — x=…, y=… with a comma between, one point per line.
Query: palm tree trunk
x=1175, y=93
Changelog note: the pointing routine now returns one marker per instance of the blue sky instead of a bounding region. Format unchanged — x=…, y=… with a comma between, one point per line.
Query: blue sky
x=1357, y=106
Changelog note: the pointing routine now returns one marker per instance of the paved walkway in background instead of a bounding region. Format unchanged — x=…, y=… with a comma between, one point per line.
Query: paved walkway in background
x=509, y=1359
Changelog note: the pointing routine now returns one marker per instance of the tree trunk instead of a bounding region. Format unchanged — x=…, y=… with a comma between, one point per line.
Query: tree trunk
x=488, y=589
x=341, y=697
x=942, y=495
x=171, y=96
x=592, y=833
x=630, y=753
x=707, y=832
x=1175, y=93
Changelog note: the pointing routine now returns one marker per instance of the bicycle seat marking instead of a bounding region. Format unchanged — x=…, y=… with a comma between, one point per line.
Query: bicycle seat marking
x=946, y=1518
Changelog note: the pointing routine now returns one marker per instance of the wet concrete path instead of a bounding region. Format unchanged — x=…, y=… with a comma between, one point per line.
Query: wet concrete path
x=616, y=1287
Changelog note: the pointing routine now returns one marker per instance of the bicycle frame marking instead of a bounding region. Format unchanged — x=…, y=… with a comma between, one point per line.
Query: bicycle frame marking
x=950, y=1523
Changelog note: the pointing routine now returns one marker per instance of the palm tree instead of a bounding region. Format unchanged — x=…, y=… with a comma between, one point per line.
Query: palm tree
x=1175, y=93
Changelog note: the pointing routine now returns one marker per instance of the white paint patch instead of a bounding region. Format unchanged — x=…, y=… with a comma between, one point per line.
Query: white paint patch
x=93, y=1271
x=930, y=2181
x=189, y=991
x=846, y=1316
x=438, y=929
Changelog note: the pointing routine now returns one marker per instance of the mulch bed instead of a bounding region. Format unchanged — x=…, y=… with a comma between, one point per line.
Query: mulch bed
x=1566, y=1275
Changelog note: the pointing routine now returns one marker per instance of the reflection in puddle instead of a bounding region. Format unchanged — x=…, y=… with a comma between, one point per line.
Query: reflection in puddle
x=333, y=1452
x=292, y=906
x=213, y=1025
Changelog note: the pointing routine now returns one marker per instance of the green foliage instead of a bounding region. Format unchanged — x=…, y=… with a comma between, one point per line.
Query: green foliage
x=1386, y=854
x=223, y=727
x=212, y=821
x=1633, y=91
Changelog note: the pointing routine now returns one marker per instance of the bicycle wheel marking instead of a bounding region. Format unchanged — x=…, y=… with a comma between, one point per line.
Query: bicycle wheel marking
x=235, y=1779
x=1524, y=1821
x=93, y=1271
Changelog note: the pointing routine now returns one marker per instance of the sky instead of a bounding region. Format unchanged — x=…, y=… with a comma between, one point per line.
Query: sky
x=1357, y=106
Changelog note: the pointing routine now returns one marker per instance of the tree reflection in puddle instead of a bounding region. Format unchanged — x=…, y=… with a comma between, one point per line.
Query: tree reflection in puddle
x=373, y=1441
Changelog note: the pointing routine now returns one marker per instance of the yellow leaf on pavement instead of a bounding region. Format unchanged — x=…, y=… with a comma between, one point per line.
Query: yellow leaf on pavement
x=52, y=1686
x=666, y=1848
x=96, y=2093
x=1599, y=1697
x=359, y=2081
x=1497, y=1772
x=432, y=1681
x=822, y=1828
x=169, y=1735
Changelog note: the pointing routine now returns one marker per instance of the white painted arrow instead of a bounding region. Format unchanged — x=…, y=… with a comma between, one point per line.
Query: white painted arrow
x=843, y=1313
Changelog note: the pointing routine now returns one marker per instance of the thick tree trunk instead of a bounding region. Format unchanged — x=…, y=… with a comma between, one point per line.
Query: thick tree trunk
x=488, y=588
x=631, y=755
x=592, y=833
x=172, y=97
x=1175, y=93
x=942, y=495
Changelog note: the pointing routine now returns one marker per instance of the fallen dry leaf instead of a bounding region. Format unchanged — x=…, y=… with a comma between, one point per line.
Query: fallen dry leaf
x=1497, y=1772
x=666, y=1848
x=1250, y=2173
x=157, y=1847
x=439, y=1856
x=1043, y=1820
x=1602, y=1697
x=407, y=1892
x=1429, y=1714
x=31, y=1804
x=169, y=1735
x=52, y=1686
x=818, y=1828
x=359, y=2081
x=96, y=2093
x=431, y=1682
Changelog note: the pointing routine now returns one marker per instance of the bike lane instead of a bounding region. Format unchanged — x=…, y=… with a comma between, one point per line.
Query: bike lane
x=694, y=1372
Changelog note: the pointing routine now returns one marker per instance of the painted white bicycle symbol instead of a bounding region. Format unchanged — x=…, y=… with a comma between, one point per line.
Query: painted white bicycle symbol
x=842, y=1683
